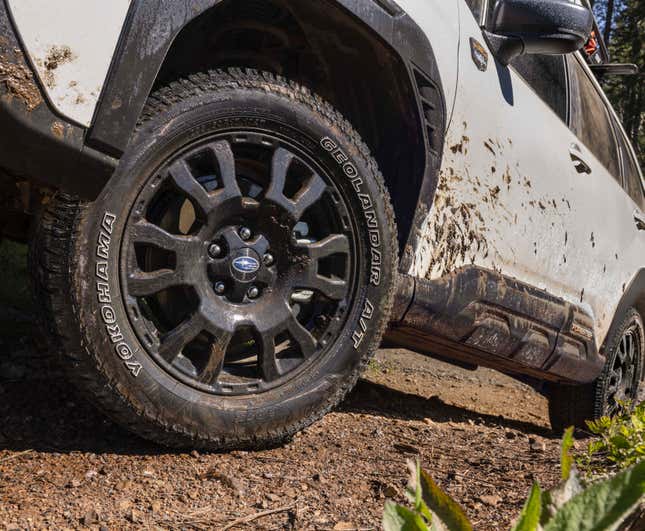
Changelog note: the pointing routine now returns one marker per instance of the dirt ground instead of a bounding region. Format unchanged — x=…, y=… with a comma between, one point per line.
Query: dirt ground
x=483, y=436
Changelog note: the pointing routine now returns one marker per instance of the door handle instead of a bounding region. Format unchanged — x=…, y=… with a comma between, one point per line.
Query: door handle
x=580, y=165
x=639, y=218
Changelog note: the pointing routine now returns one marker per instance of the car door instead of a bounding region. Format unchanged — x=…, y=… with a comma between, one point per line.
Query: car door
x=613, y=192
x=510, y=197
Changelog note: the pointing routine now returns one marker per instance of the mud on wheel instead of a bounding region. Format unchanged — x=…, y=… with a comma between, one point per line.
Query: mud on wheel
x=232, y=280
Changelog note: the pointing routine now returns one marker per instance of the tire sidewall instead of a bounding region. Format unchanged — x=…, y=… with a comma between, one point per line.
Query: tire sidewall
x=112, y=341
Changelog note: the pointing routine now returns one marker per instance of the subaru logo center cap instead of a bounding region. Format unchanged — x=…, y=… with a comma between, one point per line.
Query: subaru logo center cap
x=246, y=265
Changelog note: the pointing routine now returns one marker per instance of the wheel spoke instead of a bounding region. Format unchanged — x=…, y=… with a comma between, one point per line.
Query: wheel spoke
x=305, y=198
x=142, y=284
x=226, y=160
x=334, y=289
x=267, y=358
x=303, y=337
x=334, y=244
x=147, y=233
x=174, y=342
x=187, y=184
x=211, y=372
x=309, y=195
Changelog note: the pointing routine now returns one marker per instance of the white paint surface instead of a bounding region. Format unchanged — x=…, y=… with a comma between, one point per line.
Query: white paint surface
x=89, y=29
x=531, y=218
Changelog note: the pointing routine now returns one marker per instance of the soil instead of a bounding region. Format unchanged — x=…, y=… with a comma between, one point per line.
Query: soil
x=484, y=438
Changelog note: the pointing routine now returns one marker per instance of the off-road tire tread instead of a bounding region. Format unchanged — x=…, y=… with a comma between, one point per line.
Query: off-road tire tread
x=56, y=249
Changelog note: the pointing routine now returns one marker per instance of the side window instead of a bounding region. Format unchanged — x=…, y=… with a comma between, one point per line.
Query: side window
x=590, y=120
x=476, y=7
x=547, y=76
x=631, y=175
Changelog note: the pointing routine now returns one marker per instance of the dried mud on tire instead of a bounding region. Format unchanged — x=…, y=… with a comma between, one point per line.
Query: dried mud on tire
x=482, y=436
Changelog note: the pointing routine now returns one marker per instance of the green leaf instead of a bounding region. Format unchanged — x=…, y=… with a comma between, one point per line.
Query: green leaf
x=398, y=518
x=604, y=505
x=566, y=460
x=443, y=506
x=529, y=519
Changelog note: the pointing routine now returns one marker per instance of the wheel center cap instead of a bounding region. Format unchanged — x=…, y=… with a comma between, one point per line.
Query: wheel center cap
x=245, y=264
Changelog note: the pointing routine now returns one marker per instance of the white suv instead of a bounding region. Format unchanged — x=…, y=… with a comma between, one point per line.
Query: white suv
x=238, y=201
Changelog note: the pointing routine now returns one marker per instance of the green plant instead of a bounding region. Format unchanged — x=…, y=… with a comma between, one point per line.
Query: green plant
x=621, y=441
x=571, y=506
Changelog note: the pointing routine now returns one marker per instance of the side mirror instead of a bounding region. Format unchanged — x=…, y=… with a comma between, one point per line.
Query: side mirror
x=551, y=27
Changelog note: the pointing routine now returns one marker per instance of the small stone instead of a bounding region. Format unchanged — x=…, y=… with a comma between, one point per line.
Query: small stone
x=74, y=483
x=492, y=500
x=135, y=516
x=124, y=505
x=91, y=474
x=510, y=435
x=147, y=473
x=390, y=491
x=90, y=517
x=537, y=446
x=155, y=506
x=272, y=497
x=195, y=454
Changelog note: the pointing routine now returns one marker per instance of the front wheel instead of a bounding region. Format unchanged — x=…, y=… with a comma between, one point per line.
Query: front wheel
x=232, y=280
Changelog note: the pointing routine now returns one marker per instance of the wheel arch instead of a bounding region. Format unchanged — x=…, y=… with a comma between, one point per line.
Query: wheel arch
x=633, y=297
x=369, y=45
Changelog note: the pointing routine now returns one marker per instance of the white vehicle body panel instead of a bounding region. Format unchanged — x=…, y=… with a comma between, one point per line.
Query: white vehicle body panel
x=510, y=200
x=71, y=44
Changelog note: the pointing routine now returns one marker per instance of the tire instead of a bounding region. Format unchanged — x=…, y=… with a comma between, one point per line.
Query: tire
x=621, y=380
x=302, y=221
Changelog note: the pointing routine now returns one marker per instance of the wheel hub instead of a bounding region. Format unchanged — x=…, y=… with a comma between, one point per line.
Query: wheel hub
x=240, y=265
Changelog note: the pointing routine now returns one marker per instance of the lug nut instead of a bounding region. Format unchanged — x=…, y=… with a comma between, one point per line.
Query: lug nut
x=268, y=260
x=220, y=288
x=215, y=251
x=245, y=233
x=253, y=293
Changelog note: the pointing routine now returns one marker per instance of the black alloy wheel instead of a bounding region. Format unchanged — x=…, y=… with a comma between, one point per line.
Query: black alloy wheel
x=239, y=263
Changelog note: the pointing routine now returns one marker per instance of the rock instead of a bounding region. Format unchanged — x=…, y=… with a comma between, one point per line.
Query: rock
x=272, y=497
x=147, y=473
x=390, y=491
x=492, y=500
x=536, y=446
x=195, y=454
x=74, y=483
x=155, y=506
x=124, y=505
x=91, y=517
x=135, y=516
x=406, y=449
